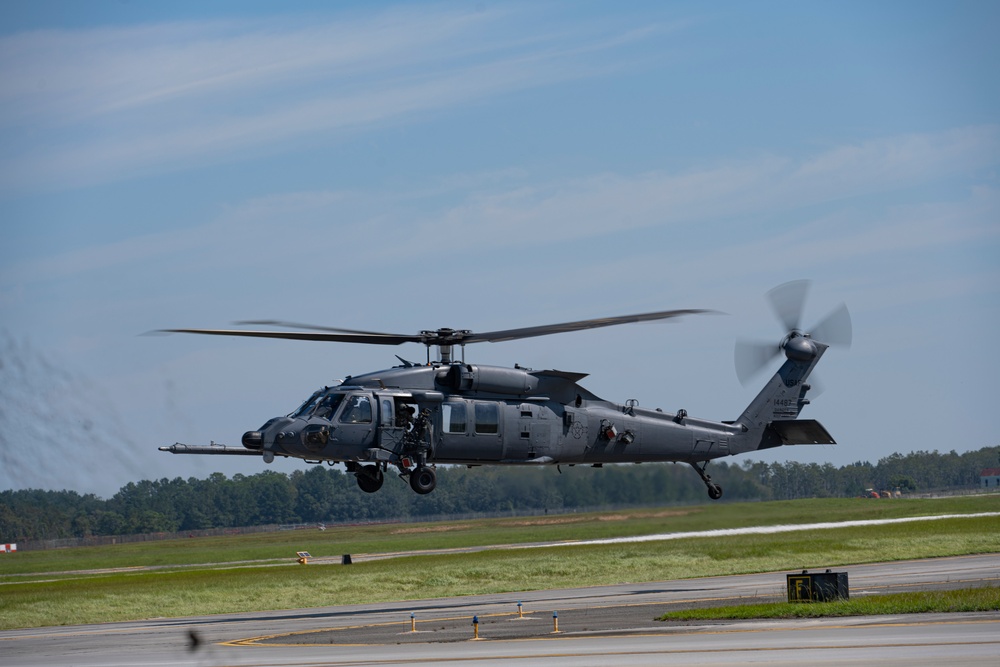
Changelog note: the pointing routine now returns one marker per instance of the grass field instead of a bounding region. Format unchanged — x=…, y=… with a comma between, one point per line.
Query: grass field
x=50, y=587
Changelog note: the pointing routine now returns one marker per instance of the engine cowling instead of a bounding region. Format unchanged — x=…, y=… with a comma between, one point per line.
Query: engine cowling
x=489, y=379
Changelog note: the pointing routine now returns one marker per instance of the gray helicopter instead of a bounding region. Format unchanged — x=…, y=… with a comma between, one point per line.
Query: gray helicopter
x=446, y=411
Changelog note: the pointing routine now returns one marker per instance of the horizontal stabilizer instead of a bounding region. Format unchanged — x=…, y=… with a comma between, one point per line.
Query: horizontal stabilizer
x=800, y=432
x=180, y=448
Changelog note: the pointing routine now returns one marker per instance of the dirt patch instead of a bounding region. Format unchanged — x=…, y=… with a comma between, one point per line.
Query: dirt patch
x=548, y=522
x=665, y=513
x=428, y=529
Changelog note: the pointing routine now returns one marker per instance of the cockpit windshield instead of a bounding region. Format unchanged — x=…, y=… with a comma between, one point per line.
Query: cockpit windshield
x=320, y=404
x=307, y=407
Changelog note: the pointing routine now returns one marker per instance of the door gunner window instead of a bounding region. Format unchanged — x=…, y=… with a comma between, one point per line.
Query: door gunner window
x=358, y=411
x=487, y=418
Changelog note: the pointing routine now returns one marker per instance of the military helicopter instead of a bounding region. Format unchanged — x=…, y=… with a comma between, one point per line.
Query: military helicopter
x=412, y=417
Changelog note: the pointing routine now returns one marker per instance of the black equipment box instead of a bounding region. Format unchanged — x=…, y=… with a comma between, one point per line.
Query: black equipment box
x=818, y=586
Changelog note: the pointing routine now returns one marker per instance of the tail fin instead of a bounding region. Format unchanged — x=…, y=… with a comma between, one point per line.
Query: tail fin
x=771, y=419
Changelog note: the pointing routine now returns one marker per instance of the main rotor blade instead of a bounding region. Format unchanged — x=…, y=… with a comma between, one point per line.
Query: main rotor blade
x=788, y=301
x=313, y=327
x=369, y=339
x=835, y=328
x=752, y=356
x=438, y=337
x=544, y=330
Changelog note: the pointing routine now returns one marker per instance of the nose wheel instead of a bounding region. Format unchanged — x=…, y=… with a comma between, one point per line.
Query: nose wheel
x=714, y=490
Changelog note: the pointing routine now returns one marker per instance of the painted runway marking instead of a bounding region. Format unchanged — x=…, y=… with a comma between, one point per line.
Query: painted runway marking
x=758, y=530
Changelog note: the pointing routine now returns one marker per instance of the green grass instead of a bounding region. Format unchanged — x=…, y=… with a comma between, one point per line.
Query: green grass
x=962, y=600
x=282, y=546
x=40, y=598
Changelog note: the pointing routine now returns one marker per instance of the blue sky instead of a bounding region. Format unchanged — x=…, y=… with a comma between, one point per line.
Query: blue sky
x=409, y=166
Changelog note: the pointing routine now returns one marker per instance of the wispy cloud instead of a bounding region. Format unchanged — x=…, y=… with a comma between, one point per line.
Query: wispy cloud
x=773, y=184
x=70, y=76
x=80, y=107
x=501, y=211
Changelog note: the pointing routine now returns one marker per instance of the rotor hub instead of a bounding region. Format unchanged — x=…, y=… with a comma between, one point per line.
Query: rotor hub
x=799, y=347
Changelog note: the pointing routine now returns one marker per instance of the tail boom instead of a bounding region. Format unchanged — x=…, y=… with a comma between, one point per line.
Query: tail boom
x=771, y=419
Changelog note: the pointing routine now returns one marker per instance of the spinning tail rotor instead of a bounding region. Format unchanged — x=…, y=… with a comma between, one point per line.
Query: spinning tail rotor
x=788, y=303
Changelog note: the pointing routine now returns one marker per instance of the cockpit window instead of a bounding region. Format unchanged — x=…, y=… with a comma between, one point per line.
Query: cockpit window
x=328, y=405
x=357, y=411
x=306, y=407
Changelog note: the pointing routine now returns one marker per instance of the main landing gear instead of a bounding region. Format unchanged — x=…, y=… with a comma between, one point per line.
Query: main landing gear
x=423, y=479
x=416, y=447
x=369, y=478
x=714, y=490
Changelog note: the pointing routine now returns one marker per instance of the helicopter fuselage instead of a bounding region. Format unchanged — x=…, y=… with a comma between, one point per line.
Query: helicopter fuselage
x=483, y=414
x=413, y=416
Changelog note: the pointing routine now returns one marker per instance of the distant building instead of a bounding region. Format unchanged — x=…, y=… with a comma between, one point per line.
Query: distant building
x=990, y=478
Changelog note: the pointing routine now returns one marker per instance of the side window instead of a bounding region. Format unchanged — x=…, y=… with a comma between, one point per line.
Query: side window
x=358, y=410
x=487, y=418
x=387, y=419
x=453, y=417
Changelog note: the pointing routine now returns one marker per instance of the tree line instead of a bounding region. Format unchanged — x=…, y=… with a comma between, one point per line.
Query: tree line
x=325, y=494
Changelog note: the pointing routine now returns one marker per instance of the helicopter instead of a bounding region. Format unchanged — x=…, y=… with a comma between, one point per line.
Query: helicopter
x=413, y=417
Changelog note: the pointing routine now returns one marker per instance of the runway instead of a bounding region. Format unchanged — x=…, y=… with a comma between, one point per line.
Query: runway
x=603, y=626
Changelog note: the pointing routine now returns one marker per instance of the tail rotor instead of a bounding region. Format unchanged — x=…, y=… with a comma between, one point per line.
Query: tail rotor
x=788, y=303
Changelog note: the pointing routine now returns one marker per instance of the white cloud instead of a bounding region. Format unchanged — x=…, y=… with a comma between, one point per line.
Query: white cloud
x=597, y=205
x=495, y=213
x=901, y=161
x=138, y=249
x=86, y=107
x=72, y=75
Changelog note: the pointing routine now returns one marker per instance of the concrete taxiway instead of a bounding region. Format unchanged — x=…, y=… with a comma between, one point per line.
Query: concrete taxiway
x=605, y=626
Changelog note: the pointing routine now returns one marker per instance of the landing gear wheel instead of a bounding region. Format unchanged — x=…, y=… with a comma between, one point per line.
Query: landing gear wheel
x=369, y=478
x=423, y=480
x=714, y=490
